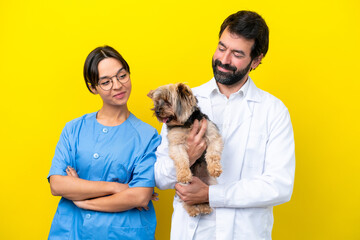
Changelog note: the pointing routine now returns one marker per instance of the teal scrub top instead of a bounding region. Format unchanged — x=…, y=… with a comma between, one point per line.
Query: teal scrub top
x=124, y=154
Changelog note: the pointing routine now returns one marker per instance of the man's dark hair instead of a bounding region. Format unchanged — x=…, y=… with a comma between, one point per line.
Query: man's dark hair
x=249, y=25
x=91, y=72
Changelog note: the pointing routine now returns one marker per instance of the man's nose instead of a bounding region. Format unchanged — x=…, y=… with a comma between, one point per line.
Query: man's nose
x=225, y=58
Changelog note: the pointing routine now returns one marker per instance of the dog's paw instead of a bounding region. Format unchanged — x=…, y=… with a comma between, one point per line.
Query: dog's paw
x=193, y=210
x=214, y=166
x=184, y=176
x=205, y=209
x=215, y=171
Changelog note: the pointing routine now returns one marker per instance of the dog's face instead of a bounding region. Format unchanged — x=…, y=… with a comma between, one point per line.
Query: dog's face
x=173, y=103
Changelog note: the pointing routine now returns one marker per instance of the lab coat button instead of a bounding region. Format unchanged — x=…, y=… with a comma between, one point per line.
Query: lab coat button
x=87, y=216
x=105, y=130
x=96, y=156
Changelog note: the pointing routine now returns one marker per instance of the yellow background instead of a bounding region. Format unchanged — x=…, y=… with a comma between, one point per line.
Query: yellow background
x=312, y=66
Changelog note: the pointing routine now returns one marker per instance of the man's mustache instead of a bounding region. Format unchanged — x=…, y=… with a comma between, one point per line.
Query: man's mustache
x=225, y=66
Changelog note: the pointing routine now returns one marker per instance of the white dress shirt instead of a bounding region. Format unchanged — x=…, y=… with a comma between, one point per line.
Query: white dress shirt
x=222, y=107
x=258, y=164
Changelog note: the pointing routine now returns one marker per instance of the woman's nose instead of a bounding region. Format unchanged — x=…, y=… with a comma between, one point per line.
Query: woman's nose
x=116, y=84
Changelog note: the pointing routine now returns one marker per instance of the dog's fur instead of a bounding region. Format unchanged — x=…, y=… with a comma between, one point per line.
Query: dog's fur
x=176, y=106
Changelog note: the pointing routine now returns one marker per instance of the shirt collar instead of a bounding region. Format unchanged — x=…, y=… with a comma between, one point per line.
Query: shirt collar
x=214, y=89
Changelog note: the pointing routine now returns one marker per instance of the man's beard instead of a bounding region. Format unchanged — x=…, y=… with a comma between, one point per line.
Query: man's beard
x=229, y=78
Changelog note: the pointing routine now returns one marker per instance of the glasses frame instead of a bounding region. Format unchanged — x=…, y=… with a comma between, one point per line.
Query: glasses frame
x=117, y=78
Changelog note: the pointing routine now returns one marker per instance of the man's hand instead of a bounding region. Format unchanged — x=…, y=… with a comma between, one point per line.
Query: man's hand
x=194, y=193
x=196, y=142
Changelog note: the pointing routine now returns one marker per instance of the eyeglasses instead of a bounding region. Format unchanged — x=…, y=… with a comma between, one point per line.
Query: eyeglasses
x=106, y=83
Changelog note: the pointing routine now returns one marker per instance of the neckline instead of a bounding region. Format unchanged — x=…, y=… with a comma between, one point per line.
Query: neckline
x=102, y=125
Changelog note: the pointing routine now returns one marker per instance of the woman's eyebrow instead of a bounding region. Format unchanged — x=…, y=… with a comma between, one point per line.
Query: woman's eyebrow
x=114, y=75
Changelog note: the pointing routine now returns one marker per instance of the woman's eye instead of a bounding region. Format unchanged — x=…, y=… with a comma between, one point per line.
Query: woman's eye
x=105, y=83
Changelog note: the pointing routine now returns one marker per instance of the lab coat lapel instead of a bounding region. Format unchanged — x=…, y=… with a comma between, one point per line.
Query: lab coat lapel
x=206, y=107
x=235, y=137
x=244, y=117
x=202, y=94
x=252, y=98
x=244, y=129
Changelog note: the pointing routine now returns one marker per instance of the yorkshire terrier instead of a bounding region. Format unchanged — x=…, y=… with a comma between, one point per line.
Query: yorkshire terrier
x=176, y=106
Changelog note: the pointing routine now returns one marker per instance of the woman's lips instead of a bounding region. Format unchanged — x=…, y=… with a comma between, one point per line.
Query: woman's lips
x=119, y=95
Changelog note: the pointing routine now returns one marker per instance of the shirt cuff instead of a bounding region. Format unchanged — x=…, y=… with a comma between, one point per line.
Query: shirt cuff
x=216, y=196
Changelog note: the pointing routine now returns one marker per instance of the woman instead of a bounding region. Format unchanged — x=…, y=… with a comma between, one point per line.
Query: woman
x=103, y=163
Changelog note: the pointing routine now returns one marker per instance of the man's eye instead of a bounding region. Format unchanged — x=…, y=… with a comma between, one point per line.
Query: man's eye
x=122, y=76
x=222, y=49
x=238, y=55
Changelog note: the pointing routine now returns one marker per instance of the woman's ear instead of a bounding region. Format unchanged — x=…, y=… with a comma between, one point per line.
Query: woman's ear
x=93, y=90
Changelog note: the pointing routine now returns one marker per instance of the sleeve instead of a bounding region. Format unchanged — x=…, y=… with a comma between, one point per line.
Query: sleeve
x=165, y=174
x=275, y=185
x=143, y=173
x=62, y=157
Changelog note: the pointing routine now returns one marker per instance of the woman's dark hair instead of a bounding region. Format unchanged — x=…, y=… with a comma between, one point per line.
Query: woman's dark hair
x=249, y=25
x=91, y=72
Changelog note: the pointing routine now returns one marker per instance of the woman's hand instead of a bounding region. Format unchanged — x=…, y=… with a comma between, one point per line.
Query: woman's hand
x=196, y=142
x=117, y=187
x=80, y=204
x=154, y=197
x=71, y=172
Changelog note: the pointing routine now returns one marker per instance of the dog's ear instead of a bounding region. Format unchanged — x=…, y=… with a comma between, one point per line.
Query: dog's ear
x=150, y=94
x=183, y=90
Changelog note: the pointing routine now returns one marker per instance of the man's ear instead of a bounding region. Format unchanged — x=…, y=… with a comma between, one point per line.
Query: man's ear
x=256, y=61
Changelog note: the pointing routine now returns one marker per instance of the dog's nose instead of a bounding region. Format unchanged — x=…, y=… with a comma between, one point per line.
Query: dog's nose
x=157, y=112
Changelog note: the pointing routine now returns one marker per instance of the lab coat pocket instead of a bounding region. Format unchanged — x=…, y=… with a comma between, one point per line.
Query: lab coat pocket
x=255, y=152
x=254, y=223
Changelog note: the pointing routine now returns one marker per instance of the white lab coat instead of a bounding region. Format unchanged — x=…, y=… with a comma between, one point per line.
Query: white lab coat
x=258, y=168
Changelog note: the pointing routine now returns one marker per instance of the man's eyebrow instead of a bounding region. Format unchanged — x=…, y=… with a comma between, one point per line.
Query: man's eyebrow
x=113, y=76
x=222, y=44
x=234, y=50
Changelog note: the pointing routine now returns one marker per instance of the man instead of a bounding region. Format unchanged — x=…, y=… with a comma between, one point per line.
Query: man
x=258, y=159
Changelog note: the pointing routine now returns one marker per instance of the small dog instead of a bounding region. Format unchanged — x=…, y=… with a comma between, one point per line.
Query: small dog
x=176, y=106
